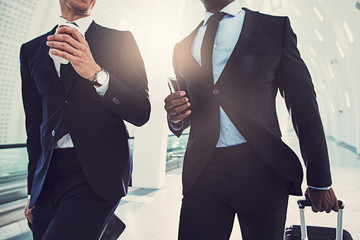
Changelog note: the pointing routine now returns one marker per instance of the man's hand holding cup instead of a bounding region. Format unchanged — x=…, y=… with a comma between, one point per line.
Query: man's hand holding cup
x=69, y=44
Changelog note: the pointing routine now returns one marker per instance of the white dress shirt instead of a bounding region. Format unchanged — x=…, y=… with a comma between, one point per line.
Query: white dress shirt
x=83, y=24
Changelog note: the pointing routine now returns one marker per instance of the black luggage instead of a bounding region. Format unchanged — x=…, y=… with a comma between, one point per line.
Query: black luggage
x=296, y=232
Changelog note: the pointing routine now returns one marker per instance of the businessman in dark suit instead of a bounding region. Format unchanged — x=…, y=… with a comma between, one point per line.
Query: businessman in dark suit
x=230, y=69
x=79, y=159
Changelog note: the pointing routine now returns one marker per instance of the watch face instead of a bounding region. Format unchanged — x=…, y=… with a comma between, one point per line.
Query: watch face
x=101, y=77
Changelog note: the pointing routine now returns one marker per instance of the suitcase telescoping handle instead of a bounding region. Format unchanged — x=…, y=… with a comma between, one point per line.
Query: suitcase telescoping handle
x=306, y=203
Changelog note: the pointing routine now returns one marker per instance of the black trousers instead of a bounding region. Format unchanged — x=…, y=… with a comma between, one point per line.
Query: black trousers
x=67, y=207
x=235, y=181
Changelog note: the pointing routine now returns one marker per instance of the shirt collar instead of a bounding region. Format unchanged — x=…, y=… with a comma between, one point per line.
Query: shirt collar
x=82, y=23
x=232, y=9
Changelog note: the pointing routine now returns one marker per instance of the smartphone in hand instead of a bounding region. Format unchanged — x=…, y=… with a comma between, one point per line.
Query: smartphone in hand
x=173, y=84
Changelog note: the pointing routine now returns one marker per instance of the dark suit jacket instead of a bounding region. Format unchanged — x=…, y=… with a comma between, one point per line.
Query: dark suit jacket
x=95, y=123
x=265, y=60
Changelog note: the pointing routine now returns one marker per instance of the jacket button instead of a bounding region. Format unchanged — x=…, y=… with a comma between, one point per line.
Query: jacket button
x=53, y=133
x=216, y=91
x=116, y=101
x=67, y=101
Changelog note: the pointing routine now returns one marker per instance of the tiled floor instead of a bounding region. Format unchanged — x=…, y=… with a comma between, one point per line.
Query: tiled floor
x=153, y=214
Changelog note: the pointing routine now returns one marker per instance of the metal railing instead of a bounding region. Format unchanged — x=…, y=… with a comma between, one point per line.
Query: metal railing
x=9, y=146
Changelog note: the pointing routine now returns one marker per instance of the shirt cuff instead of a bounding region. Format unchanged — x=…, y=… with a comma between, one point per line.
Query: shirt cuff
x=176, y=128
x=320, y=188
x=103, y=88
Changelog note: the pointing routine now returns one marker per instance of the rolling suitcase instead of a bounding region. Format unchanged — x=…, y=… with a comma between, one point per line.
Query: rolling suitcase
x=296, y=232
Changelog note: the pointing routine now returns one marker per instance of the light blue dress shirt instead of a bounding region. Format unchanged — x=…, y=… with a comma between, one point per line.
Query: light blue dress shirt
x=226, y=38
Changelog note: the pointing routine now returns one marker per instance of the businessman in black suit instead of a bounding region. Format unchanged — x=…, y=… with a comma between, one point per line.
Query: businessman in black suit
x=230, y=69
x=79, y=159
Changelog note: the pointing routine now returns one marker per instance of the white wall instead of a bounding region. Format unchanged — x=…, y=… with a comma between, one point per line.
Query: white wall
x=333, y=62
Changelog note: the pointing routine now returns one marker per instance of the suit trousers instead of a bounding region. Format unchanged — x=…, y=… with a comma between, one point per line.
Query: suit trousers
x=67, y=207
x=236, y=181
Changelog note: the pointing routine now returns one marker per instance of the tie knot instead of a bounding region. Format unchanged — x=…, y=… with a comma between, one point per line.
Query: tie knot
x=216, y=17
x=73, y=23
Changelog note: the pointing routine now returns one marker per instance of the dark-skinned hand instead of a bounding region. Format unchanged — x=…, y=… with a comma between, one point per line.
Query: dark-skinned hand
x=68, y=43
x=322, y=200
x=177, y=106
x=28, y=212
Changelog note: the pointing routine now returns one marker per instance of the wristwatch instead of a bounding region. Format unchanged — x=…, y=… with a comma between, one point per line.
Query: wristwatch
x=101, y=78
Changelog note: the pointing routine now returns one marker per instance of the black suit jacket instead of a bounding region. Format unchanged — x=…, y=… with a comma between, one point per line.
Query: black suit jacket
x=95, y=123
x=265, y=60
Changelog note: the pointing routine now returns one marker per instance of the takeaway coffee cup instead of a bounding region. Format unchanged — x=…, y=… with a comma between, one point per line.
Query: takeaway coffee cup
x=57, y=58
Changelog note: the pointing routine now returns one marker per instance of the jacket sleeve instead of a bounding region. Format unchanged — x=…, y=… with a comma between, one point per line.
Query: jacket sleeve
x=127, y=95
x=177, y=130
x=296, y=87
x=33, y=116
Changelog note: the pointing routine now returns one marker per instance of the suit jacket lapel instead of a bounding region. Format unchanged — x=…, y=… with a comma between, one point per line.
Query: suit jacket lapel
x=189, y=45
x=250, y=23
x=93, y=35
x=193, y=69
